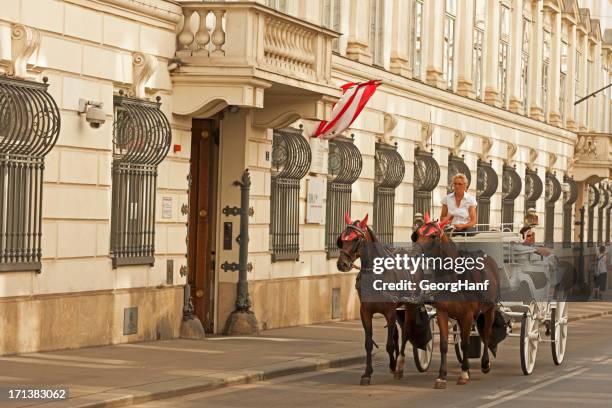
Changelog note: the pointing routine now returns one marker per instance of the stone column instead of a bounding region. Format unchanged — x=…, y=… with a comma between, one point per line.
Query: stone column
x=570, y=95
x=402, y=25
x=535, y=62
x=465, y=47
x=554, y=115
x=515, y=103
x=491, y=55
x=434, y=39
x=598, y=83
x=357, y=47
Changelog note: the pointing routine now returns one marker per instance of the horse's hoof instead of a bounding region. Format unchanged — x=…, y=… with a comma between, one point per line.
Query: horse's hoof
x=463, y=381
x=440, y=384
x=365, y=381
x=398, y=374
x=486, y=369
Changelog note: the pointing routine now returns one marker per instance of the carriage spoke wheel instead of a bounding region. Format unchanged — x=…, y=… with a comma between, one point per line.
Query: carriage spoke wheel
x=558, y=332
x=530, y=337
x=422, y=358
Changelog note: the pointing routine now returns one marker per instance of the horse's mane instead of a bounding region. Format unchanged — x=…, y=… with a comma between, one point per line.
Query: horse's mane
x=371, y=232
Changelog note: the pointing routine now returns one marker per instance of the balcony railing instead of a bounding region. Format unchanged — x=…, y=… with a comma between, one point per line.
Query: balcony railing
x=247, y=34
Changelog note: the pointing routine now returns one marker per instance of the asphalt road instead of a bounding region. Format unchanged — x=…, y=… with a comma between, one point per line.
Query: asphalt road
x=584, y=379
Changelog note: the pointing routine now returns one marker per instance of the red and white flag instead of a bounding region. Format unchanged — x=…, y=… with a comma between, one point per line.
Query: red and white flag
x=353, y=100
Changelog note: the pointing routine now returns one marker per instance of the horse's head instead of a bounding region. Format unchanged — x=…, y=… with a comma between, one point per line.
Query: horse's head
x=351, y=241
x=430, y=234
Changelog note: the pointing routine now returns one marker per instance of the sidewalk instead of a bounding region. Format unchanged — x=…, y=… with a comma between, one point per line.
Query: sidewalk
x=125, y=374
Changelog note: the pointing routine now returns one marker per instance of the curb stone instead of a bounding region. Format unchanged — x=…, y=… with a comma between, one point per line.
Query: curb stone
x=183, y=387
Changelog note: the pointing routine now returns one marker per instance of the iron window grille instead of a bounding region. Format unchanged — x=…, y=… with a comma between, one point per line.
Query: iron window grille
x=480, y=15
x=344, y=167
x=552, y=192
x=533, y=189
x=426, y=179
x=525, y=63
x=486, y=186
x=29, y=128
x=562, y=81
x=448, y=56
x=389, y=173
x=418, y=39
x=545, y=72
x=604, y=200
x=569, y=198
x=511, y=188
x=504, y=45
x=457, y=165
x=291, y=158
x=593, y=201
x=141, y=140
x=609, y=211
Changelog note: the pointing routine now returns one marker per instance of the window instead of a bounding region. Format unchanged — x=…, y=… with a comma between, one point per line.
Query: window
x=545, y=72
x=280, y=5
x=525, y=63
x=562, y=79
x=593, y=201
x=448, y=56
x=141, y=140
x=418, y=31
x=533, y=189
x=426, y=178
x=589, y=73
x=377, y=21
x=552, y=192
x=511, y=188
x=29, y=127
x=291, y=157
x=486, y=185
x=577, y=87
x=389, y=173
x=331, y=18
x=569, y=198
x=480, y=15
x=504, y=44
x=344, y=167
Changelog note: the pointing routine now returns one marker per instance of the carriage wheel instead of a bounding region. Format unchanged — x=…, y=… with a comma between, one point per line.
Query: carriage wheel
x=529, y=340
x=558, y=332
x=422, y=358
x=457, y=342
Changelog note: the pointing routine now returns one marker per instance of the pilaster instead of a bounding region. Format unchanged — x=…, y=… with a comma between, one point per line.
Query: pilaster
x=434, y=34
x=515, y=103
x=465, y=50
x=400, y=37
x=554, y=115
x=535, y=62
x=570, y=121
x=357, y=47
x=492, y=94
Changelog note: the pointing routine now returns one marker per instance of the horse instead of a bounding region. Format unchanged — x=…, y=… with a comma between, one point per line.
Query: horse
x=434, y=242
x=350, y=243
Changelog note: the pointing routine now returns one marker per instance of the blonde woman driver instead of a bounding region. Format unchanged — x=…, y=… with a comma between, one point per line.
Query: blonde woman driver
x=460, y=207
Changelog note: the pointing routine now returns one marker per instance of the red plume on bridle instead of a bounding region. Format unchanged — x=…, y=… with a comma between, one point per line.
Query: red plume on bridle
x=427, y=229
x=362, y=224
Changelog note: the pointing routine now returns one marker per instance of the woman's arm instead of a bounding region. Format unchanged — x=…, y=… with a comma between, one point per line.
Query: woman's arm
x=444, y=213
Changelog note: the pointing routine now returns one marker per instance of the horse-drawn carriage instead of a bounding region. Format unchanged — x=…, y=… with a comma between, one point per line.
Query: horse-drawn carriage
x=530, y=282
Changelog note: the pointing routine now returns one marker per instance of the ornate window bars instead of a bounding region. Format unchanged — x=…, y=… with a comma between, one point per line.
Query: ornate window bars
x=552, y=192
x=426, y=178
x=291, y=157
x=533, y=189
x=344, y=167
x=389, y=172
x=486, y=186
x=511, y=188
x=593, y=201
x=604, y=200
x=609, y=211
x=141, y=140
x=457, y=165
x=569, y=198
x=29, y=128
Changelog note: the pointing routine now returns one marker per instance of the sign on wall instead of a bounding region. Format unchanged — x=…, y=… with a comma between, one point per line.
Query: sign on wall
x=167, y=207
x=315, y=206
x=318, y=148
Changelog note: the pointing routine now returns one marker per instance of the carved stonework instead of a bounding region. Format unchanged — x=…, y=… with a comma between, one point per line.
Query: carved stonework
x=533, y=156
x=586, y=146
x=487, y=145
x=426, y=134
x=24, y=42
x=552, y=159
x=512, y=149
x=144, y=66
x=458, y=140
x=390, y=122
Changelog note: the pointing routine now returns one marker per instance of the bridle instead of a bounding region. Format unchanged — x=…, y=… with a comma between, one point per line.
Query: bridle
x=352, y=231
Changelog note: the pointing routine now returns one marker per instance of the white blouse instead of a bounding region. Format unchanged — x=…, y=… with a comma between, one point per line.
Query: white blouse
x=461, y=213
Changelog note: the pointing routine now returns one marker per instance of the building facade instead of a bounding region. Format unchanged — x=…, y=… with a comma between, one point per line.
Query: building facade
x=153, y=109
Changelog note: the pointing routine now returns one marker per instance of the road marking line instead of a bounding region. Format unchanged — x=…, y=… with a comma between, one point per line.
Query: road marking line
x=498, y=395
x=277, y=339
x=533, y=388
x=185, y=350
x=600, y=358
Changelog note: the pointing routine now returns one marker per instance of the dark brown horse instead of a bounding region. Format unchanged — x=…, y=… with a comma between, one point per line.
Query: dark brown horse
x=434, y=242
x=351, y=243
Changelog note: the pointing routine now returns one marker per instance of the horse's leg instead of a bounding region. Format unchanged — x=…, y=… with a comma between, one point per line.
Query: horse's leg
x=442, y=316
x=391, y=338
x=404, y=324
x=489, y=316
x=366, y=321
x=465, y=325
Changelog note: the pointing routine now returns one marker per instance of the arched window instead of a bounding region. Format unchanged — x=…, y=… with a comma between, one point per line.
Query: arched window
x=141, y=140
x=552, y=192
x=344, y=167
x=533, y=189
x=569, y=198
x=593, y=201
x=604, y=200
x=29, y=127
x=291, y=157
x=511, y=188
x=486, y=186
x=389, y=172
x=426, y=178
x=457, y=165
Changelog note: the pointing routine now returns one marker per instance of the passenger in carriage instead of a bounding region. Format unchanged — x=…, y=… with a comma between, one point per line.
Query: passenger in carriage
x=460, y=207
x=528, y=235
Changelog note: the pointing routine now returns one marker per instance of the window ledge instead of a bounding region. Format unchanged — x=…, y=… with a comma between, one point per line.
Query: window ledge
x=136, y=260
x=21, y=267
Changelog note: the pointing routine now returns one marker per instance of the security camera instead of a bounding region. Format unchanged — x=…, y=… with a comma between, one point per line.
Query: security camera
x=94, y=114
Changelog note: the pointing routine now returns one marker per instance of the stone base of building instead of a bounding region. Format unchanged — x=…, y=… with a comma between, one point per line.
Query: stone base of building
x=83, y=319
x=294, y=301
